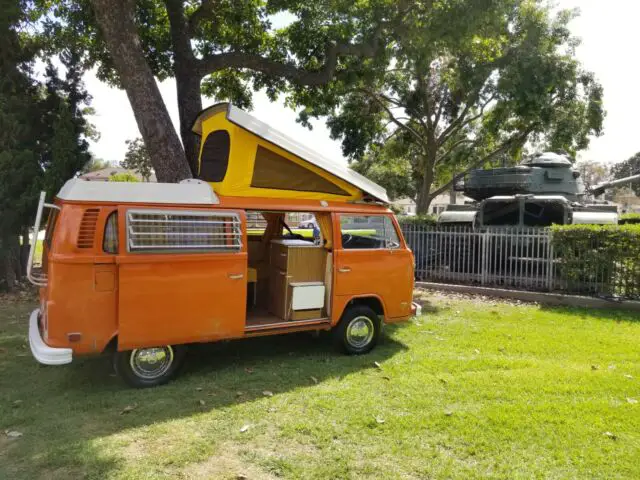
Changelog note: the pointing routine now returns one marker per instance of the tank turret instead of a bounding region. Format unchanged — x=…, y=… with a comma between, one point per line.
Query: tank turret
x=543, y=174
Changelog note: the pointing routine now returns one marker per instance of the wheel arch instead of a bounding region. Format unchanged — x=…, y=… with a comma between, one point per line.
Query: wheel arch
x=373, y=301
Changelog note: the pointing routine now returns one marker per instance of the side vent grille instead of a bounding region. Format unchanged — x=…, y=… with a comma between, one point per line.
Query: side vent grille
x=87, y=232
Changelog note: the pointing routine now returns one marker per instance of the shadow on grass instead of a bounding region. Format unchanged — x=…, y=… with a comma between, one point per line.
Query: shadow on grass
x=613, y=313
x=421, y=297
x=62, y=409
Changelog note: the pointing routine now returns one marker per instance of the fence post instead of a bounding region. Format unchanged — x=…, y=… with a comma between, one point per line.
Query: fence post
x=483, y=263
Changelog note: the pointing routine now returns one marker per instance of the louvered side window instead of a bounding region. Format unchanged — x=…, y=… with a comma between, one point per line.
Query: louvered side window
x=87, y=232
x=178, y=231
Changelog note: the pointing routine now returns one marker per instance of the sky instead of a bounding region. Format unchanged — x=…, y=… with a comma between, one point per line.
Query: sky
x=608, y=32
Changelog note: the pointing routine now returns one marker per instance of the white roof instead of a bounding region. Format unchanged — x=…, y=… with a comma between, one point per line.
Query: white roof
x=188, y=192
x=265, y=131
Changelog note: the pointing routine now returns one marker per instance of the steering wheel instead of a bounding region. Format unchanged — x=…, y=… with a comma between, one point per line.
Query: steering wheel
x=346, y=238
x=292, y=235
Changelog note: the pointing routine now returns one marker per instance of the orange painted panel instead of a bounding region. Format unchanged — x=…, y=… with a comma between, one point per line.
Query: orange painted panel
x=382, y=272
x=173, y=299
x=75, y=305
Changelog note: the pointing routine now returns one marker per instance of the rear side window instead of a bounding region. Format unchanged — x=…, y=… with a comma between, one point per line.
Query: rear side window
x=214, y=159
x=110, y=240
x=368, y=232
x=182, y=231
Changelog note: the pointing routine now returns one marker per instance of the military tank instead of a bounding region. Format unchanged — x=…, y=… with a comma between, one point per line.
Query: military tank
x=542, y=191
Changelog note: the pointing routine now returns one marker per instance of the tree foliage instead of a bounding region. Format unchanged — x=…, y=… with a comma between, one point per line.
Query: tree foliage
x=43, y=134
x=137, y=159
x=593, y=173
x=466, y=83
x=124, y=177
x=629, y=167
x=224, y=49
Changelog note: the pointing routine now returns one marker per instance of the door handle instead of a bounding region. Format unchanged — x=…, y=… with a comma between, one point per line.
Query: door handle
x=344, y=269
x=236, y=276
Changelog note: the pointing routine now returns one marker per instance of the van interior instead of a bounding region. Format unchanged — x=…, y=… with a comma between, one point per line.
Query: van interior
x=289, y=274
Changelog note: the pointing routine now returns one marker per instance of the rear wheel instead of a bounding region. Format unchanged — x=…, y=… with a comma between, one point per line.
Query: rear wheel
x=149, y=367
x=358, y=330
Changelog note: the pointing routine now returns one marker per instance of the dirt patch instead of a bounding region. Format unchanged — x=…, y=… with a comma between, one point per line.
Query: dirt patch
x=226, y=465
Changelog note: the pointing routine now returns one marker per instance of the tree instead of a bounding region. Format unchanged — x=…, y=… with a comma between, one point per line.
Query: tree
x=629, y=167
x=96, y=164
x=221, y=49
x=124, y=177
x=42, y=136
x=469, y=82
x=137, y=159
x=593, y=173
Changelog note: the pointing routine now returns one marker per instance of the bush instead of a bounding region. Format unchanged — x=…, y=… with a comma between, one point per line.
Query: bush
x=123, y=177
x=630, y=219
x=599, y=259
x=417, y=220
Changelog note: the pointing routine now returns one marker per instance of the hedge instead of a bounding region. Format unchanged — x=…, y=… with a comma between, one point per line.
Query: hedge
x=630, y=218
x=599, y=259
x=417, y=220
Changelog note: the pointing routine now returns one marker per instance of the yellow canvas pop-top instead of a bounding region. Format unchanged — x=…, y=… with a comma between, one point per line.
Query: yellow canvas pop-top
x=244, y=157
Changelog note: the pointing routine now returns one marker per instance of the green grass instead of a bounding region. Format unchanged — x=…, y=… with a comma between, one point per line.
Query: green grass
x=473, y=389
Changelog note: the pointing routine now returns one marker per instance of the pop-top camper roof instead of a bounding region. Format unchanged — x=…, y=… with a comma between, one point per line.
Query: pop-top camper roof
x=242, y=156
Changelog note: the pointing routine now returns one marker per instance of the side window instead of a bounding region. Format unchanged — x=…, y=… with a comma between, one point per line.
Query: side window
x=367, y=232
x=214, y=159
x=51, y=225
x=110, y=240
x=183, y=231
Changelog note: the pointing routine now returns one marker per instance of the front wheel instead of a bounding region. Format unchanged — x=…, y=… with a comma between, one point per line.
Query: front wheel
x=358, y=330
x=149, y=367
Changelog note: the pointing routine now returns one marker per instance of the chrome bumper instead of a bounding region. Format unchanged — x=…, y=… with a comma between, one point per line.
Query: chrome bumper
x=42, y=352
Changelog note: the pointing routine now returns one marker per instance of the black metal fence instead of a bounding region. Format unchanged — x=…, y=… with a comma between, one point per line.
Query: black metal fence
x=520, y=258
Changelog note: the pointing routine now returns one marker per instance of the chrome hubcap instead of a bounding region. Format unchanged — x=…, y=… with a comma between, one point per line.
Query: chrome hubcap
x=151, y=363
x=360, y=332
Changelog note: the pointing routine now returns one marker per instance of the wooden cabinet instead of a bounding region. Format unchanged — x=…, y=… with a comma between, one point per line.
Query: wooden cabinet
x=291, y=264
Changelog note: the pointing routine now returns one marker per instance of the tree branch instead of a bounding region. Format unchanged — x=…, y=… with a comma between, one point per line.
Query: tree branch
x=398, y=123
x=214, y=63
x=200, y=13
x=452, y=148
x=300, y=76
x=180, y=36
x=501, y=149
x=457, y=124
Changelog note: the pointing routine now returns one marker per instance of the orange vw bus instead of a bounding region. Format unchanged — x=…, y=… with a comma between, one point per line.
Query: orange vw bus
x=141, y=270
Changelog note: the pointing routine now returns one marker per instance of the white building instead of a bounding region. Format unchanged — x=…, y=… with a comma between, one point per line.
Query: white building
x=408, y=207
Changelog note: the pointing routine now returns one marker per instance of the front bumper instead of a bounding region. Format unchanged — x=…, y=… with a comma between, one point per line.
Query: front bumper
x=42, y=352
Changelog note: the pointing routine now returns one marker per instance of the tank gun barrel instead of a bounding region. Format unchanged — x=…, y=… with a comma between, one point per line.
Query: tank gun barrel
x=601, y=187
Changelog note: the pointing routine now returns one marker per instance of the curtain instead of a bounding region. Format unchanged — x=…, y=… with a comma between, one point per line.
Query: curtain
x=324, y=223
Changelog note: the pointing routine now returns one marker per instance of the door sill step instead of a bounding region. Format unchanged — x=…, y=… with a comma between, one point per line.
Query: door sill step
x=289, y=324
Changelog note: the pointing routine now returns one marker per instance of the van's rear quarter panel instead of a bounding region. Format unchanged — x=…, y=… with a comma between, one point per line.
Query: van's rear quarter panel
x=74, y=305
x=167, y=301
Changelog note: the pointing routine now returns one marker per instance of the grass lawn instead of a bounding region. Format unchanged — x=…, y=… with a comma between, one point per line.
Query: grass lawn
x=473, y=389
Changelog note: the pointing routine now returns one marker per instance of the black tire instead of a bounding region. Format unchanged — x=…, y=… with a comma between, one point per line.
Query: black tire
x=140, y=373
x=364, y=321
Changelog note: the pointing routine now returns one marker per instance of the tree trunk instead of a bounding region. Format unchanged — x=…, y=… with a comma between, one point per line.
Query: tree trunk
x=189, y=105
x=116, y=21
x=424, y=194
x=187, y=81
x=10, y=269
